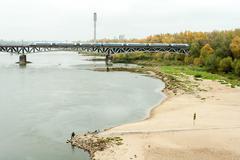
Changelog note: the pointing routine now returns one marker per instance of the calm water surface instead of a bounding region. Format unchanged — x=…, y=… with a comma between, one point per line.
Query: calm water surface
x=41, y=104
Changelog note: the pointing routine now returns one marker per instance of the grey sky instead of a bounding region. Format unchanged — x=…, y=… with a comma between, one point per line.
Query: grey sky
x=72, y=19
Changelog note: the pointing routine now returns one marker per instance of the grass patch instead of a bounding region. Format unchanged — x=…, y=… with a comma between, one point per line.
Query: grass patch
x=199, y=72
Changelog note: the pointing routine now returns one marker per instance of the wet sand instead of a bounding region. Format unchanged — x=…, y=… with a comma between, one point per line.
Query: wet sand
x=171, y=134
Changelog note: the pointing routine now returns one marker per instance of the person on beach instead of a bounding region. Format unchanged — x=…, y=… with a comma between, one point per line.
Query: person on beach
x=194, y=118
x=73, y=135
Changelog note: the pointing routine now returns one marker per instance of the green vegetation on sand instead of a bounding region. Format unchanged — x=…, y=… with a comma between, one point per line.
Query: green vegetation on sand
x=176, y=64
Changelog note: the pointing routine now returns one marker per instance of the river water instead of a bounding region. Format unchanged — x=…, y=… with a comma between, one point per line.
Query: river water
x=43, y=103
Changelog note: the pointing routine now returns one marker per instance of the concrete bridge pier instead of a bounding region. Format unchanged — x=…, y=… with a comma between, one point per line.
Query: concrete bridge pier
x=23, y=59
x=108, y=58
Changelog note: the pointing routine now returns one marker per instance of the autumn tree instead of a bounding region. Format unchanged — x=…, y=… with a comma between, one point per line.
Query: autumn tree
x=206, y=51
x=235, y=47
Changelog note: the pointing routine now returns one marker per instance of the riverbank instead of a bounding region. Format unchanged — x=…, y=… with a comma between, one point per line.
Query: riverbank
x=171, y=133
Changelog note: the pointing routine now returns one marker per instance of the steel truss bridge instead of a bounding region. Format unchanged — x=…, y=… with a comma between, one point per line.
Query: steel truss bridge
x=108, y=48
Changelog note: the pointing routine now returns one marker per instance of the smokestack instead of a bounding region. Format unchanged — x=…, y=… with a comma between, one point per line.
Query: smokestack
x=95, y=27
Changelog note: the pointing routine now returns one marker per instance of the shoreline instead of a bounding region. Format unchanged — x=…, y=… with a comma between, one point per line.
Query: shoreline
x=145, y=139
x=168, y=94
x=150, y=112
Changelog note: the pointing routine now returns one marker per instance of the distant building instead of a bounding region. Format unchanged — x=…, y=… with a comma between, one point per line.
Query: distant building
x=121, y=37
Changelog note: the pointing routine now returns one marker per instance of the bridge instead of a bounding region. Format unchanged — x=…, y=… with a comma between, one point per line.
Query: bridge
x=108, y=48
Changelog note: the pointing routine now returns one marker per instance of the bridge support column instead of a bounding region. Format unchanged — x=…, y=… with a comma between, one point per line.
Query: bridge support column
x=23, y=59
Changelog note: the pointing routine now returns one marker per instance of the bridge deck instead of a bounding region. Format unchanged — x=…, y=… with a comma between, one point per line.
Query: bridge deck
x=109, y=48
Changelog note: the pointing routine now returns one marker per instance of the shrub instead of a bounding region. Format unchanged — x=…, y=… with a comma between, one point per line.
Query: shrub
x=168, y=56
x=225, y=65
x=221, y=52
x=236, y=67
x=198, y=75
x=139, y=56
x=212, y=62
x=179, y=57
x=188, y=60
x=128, y=57
x=158, y=56
x=198, y=62
x=195, y=49
x=120, y=57
x=205, y=52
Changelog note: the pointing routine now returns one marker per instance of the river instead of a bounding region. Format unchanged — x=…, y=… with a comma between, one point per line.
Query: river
x=43, y=103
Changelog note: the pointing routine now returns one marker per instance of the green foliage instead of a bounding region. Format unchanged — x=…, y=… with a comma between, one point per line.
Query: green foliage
x=156, y=61
x=120, y=58
x=225, y=65
x=195, y=49
x=214, y=56
x=199, y=71
x=158, y=56
x=188, y=60
x=179, y=57
x=221, y=52
x=198, y=75
x=236, y=66
x=220, y=40
x=235, y=47
x=212, y=62
x=149, y=58
x=130, y=57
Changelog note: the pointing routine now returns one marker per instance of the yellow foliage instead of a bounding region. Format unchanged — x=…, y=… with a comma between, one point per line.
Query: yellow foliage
x=206, y=51
x=182, y=37
x=197, y=61
x=235, y=47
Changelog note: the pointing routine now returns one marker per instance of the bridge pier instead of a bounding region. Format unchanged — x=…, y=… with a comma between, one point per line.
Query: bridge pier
x=23, y=59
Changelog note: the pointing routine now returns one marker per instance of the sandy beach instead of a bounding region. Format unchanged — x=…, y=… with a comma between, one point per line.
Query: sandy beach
x=171, y=134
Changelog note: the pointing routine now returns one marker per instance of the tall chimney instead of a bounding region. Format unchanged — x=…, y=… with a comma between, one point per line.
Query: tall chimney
x=95, y=27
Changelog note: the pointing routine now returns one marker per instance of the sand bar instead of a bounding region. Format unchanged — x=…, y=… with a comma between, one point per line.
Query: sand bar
x=170, y=133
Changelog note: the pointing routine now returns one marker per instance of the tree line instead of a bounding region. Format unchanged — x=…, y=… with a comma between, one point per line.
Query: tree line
x=216, y=51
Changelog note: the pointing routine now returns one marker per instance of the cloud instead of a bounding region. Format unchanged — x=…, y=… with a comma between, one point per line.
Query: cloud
x=72, y=19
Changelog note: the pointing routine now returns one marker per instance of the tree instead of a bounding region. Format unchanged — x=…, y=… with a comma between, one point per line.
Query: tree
x=222, y=52
x=235, y=47
x=195, y=49
x=237, y=67
x=212, y=62
x=188, y=60
x=225, y=65
x=205, y=52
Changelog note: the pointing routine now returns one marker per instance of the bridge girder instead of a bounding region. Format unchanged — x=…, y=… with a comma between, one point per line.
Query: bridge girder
x=99, y=49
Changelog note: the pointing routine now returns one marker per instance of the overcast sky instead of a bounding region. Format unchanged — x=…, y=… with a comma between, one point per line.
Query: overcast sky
x=73, y=19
